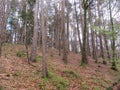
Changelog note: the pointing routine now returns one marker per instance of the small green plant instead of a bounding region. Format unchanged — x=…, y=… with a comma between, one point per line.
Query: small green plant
x=21, y=54
x=109, y=88
x=38, y=72
x=97, y=88
x=96, y=80
x=5, y=54
x=38, y=58
x=62, y=85
x=59, y=82
x=84, y=86
x=82, y=64
x=71, y=74
x=42, y=86
x=17, y=74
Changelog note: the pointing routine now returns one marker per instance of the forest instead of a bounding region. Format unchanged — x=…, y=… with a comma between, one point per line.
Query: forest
x=60, y=45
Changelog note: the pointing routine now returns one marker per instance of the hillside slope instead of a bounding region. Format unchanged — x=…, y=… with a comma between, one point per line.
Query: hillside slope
x=17, y=74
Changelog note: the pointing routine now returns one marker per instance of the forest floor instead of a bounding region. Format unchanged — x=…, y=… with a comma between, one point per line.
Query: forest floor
x=17, y=74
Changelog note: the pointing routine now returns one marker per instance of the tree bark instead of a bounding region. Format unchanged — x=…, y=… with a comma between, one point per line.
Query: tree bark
x=76, y=14
x=35, y=33
x=44, y=62
x=100, y=34
x=84, y=56
x=113, y=39
x=64, y=33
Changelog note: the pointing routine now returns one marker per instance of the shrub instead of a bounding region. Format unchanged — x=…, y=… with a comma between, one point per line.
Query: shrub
x=59, y=82
x=42, y=86
x=38, y=58
x=71, y=74
x=21, y=54
x=109, y=88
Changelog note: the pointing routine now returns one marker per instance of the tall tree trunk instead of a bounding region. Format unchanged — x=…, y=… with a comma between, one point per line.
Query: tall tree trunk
x=105, y=40
x=113, y=39
x=75, y=44
x=4, y=12
x=106, y=45
x=60, y=38
x=35, y=33
x=0, y=45
x=76, y=14
x=84, y=56
x=100, y=35
x=68, y=31
x=88, y=44
x=44, y=63
x=93, y=46
x=64, y=33
x=94, y=53
x=81, y=19
x=101, y=48
x=96, y=41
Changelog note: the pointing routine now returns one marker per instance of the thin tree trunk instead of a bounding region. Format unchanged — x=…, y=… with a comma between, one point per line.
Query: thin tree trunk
x=0, y=45
x=84, y=56
x=106, y=45
x=94, y=47
x=100, y=35
x=106, y=42
x=68, y=31
x=79, y=38
x=113, y=39
x=88, y=44
x=94, y=53
x=64, y=33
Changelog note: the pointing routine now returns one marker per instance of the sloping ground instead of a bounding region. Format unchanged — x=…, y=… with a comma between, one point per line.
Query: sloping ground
x=17, y=74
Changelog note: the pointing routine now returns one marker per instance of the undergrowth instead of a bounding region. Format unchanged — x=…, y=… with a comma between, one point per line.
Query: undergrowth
x=59, y=82
x=21, y=54
x=71, y=74
x=17, y=74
